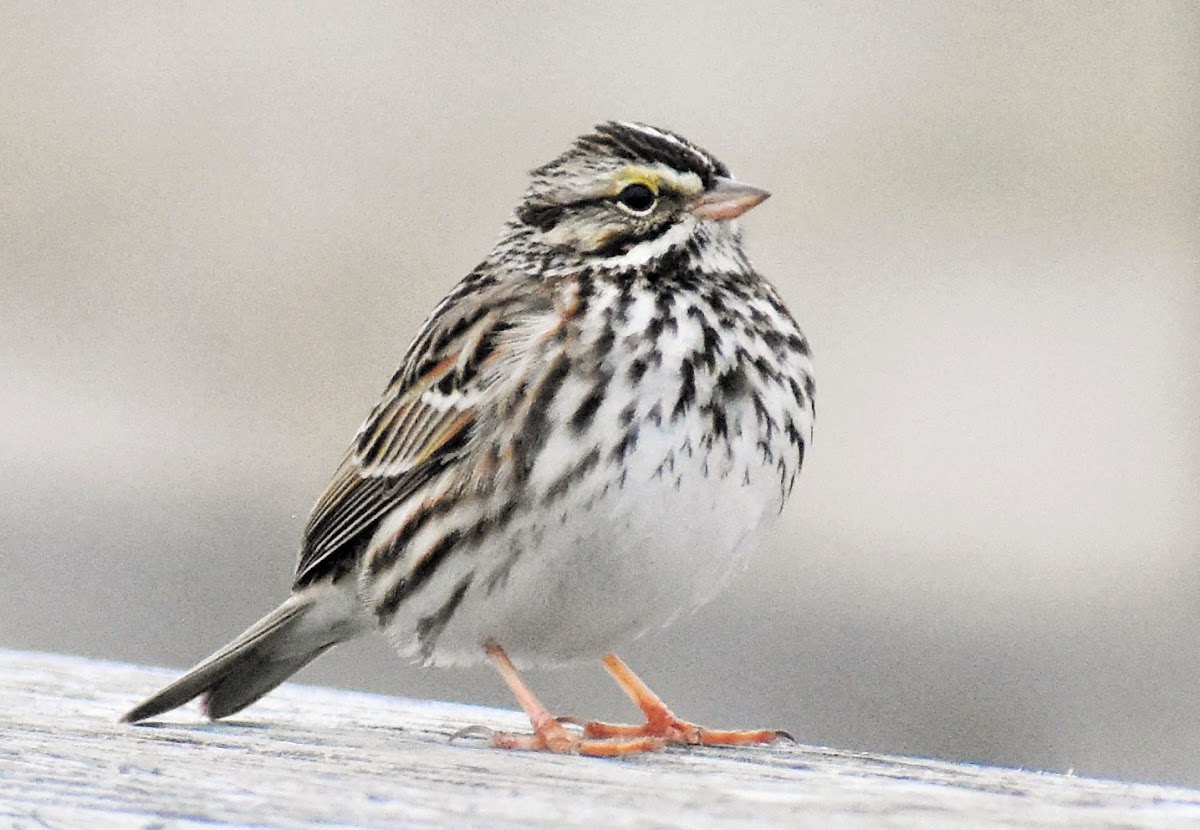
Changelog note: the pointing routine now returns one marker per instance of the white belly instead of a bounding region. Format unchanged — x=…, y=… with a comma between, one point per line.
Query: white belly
x=600, y=567
x=600, y=553
x=643, y=554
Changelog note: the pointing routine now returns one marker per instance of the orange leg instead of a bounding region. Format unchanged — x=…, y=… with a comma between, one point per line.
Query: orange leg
x=548, y=733
x=662, y=723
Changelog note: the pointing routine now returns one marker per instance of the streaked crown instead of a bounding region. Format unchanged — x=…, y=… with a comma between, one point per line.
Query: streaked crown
x=620, y=186
x=625, y=142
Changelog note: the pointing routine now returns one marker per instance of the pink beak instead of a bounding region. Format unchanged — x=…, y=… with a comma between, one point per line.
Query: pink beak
x=727, y=199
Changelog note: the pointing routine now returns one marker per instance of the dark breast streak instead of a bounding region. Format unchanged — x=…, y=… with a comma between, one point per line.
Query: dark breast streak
x=750, y=356
x=747, y=353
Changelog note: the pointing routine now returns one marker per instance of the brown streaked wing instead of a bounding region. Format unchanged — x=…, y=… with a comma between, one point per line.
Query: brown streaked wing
x=406, y=440
x=350, y=507
x=415, y=419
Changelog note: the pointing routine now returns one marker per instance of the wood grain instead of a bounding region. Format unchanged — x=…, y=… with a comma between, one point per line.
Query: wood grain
x=306, y=757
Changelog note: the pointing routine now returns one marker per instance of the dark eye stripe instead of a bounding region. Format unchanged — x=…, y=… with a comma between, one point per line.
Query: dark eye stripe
x=541, y=216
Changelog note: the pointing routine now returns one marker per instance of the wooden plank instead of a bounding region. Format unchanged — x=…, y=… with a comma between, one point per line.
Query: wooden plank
x=308, y=756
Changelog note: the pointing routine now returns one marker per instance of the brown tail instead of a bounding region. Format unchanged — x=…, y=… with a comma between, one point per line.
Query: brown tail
x=263, y=656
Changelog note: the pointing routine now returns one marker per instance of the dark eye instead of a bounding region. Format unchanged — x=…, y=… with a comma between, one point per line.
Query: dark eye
x=637, y=198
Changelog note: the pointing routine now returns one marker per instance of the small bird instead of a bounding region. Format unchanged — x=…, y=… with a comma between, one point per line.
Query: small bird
x=583, y=442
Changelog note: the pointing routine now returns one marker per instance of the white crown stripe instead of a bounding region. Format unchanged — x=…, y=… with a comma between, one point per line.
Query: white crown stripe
x=670, y=138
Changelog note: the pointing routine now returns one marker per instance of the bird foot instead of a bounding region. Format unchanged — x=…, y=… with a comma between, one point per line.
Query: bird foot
x=562, y=742
x=661, y=728
x=549, y=734
x=553, y=738
x=673, y=731
x=662, y=723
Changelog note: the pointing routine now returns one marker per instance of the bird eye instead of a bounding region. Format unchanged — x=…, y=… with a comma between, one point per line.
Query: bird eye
x=637, y=198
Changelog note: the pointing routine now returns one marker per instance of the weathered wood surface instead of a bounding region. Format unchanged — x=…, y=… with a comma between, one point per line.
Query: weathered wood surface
x=307, y=757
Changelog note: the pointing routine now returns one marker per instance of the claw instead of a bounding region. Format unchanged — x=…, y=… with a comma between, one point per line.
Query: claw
x=605, y=740
x=662, y=723
x=475, y=731
x=549, y=735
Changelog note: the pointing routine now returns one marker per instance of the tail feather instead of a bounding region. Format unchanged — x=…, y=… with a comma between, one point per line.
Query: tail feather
x=239, y=689
x=263, y=656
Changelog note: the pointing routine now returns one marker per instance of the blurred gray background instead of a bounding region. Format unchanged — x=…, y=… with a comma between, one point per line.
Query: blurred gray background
x=221, y=225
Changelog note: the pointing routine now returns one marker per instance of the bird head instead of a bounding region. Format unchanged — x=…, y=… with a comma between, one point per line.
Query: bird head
x=631, y=190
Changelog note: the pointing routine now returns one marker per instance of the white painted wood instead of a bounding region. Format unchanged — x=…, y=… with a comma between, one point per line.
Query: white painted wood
x=306, y=757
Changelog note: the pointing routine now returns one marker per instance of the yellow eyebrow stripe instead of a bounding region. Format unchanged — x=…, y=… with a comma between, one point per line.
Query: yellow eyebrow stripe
x=657, y=177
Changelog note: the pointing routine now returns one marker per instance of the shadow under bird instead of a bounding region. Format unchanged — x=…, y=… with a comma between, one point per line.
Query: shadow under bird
x=584, y=440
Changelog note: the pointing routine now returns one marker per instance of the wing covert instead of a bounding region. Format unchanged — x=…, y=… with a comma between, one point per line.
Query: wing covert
x=425, y=416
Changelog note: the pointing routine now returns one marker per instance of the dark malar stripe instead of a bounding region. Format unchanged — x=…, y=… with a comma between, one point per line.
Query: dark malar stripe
x=622, y=243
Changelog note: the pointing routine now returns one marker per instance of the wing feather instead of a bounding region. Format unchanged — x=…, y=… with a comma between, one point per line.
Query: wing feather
x=424, y=418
